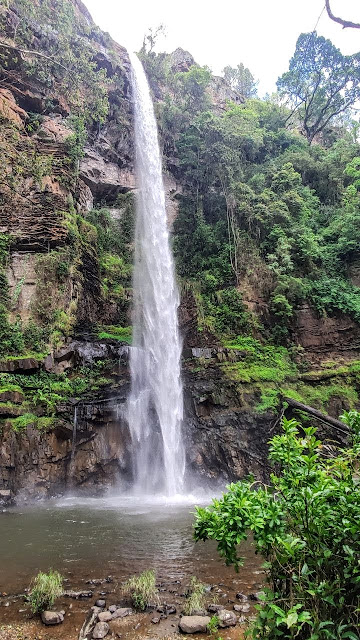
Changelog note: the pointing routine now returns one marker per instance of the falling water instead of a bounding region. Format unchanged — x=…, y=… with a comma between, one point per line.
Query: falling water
x=73, y=444
x=155, y=406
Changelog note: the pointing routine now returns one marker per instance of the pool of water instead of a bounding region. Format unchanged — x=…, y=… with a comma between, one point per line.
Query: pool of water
x=93, y=538
x=96, y=537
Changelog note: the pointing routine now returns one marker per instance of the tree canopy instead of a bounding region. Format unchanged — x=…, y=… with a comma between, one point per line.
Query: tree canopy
x=321, y=83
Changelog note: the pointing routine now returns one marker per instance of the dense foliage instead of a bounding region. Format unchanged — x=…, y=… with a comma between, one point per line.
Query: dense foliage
x=264, y=214
x=306, y=524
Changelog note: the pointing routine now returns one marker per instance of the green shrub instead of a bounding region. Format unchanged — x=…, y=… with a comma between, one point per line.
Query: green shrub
x=44, y=590
x=142, y=590
x=306, y=525
x=195, y=599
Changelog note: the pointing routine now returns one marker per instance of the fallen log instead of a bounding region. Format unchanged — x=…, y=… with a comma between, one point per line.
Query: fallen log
x=336, y=424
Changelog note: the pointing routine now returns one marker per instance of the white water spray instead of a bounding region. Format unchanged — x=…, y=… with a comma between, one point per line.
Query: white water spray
x=155, y=405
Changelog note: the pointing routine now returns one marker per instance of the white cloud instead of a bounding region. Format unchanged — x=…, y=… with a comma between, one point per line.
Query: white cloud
x=260, y=33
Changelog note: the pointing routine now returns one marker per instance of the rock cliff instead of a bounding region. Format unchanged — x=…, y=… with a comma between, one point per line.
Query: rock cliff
x=65, y=278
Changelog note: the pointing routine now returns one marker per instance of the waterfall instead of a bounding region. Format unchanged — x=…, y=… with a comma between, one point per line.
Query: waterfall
x=73, y=443
x=155, y=404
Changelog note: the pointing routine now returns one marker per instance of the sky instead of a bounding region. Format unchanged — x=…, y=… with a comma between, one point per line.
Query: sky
x=261, y=34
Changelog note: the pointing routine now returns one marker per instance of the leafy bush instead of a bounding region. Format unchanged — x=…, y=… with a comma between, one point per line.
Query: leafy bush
x=44, y=590
x=195, y=599
x=142, y=590
x=306, y=525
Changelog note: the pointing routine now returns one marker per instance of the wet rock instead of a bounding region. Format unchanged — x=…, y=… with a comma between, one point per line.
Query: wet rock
x=242, y=597
x=101, y=630
x=194, y=624
x=122, y=612
x=167, y=609
x=19, y=365
x=214, y=608
x=78, y=594
x=242, y=608
x=105, y=616
x=100, y=603
x=5, y=496
x=52, y=617
x=226, y=618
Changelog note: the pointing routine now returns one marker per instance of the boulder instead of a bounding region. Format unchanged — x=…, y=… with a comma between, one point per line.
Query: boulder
x=242, y=597
x=100, y=603
x=122, y=612
x=105, y=616
x=101, y=630
x=227, y=618
x=214, y=608
x=52, y=617
x=194, y=624
x=242, y=608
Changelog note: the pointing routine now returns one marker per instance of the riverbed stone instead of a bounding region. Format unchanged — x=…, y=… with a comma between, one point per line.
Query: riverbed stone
x=242, y=597
x=214, y=608
x=52, y=617
x=227, y=618
x=105, y=616
x=101, y=630
x=194, y=624
x=100, y=603
x=122, y=612
x=242, y=608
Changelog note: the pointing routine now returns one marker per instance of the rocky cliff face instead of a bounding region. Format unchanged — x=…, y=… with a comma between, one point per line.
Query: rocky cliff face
x=66, y=137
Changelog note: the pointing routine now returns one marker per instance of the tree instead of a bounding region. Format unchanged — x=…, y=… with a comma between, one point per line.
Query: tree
x=305, y=524
x=241, y=80
x=321, y=83
x=345, y=23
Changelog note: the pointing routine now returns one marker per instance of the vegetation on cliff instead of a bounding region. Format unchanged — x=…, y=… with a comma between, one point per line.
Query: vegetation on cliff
x=268, y=205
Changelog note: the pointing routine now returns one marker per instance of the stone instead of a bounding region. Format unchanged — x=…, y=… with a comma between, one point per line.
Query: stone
x=122, y=612
x=166, y=609
x=101, y=630
x=52, y=617
x=78, y=594
x=227, y=618
x=155, y=620
x=105, y=616
x=242, y=608
x=100, y=603
x=194, y=624
x=242, y=597
x=258, y=596
x=214, y=608
x=112, y=608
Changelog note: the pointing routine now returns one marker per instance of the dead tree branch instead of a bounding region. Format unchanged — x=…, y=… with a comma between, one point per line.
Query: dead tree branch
x=345, y=23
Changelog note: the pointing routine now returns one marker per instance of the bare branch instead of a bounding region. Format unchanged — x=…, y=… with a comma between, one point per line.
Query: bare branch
x=4, y=45
x=344, y=23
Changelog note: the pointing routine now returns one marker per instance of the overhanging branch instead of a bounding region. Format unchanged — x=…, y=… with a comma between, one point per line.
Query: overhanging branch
x=4, y=45
x=344, y=23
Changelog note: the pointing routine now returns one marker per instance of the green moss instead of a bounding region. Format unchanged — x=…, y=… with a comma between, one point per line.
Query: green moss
x=261, y=363
x=22, y=422
x=122, y=334
x=319, y=396
x=10, y=387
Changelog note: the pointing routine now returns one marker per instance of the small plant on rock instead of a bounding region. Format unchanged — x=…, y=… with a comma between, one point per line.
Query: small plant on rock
x=142, y=590
x=44, y=590
x=213, y=625
x=195, y=600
